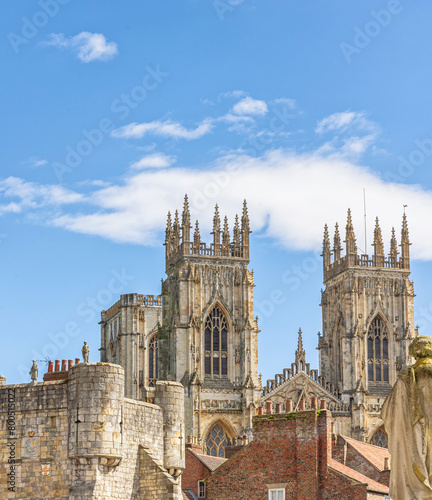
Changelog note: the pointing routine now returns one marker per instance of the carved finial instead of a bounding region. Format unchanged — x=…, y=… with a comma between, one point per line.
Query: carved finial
x=378, y=242
x=245, y=223
x=186, y=225
x=236, y=231
x=337, y=243
x=225, y=235
x=326, y=249
x=300, y=352
x=197, y=237
x=405, y=243
x=176, y=227
x=351, y=247
x=216, y=219
x=393, y=249
x=168, y=230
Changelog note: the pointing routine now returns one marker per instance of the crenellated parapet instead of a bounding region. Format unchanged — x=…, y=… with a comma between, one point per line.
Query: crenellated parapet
x=334, y=263
x=178, y=242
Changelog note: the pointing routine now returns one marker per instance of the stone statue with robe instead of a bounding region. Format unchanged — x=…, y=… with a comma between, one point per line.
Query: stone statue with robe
x=34, y=371
x=85, y=352
x=407, y=415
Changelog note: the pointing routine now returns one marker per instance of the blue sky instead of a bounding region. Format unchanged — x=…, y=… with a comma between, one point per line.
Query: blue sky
x=112, y=111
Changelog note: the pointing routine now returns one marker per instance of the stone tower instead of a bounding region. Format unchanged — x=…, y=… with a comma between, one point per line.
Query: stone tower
x=368, y=322
x=208, y=340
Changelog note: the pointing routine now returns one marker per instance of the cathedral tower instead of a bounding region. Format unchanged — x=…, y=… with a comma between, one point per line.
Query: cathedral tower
x=368, y=322
x=208, y=340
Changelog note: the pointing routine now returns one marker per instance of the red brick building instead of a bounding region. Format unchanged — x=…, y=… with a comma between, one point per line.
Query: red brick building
x=371, y=461
x=197, y=467
x=290, y=458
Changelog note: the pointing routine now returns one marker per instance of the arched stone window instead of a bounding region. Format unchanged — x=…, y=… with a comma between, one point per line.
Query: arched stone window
x=380, y=438
x=153, y=360
x=378, y=351
x=216, y=441
x=216, y=344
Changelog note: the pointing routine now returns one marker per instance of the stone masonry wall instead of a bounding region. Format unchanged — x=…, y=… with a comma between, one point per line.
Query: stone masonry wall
x=81, y=439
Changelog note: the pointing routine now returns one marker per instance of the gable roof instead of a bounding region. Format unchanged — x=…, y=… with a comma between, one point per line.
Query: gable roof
x=375, y=455
x=356, y=476
x=210, y=462
x=306, y=379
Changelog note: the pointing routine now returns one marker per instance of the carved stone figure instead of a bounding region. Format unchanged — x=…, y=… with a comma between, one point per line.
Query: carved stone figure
x=85, y=352
x=34, y=371
x=407, y=415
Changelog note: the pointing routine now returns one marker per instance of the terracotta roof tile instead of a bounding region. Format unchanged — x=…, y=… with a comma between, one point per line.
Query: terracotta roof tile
x=373, y=454
x=351, y=473
x=210, y=462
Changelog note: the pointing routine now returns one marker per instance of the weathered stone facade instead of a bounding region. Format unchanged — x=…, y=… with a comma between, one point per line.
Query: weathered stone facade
x=129, y=329
x=368, y=324
x=81, y=438
x=204, y=336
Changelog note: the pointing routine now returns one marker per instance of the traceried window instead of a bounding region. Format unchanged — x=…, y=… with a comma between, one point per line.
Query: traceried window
x=380, y=438
x=216, y=343
x=216, y=441
x=378, y=352
x=153, y=361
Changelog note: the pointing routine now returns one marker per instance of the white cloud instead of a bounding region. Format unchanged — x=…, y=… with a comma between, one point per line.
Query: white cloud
x=291, y=103
x=167, y=128
x=250, y=106
x=87, y=46
x=236, y=94
x=34, y=162
x=290, y=198
x=156, y=160
x=344, y=120
x=33, y=195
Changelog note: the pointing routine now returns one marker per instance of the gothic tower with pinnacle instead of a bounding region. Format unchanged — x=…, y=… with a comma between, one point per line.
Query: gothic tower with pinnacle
x=368, y=322
x=209, y=337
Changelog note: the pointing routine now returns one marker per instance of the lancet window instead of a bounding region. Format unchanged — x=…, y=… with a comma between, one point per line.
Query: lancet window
x=216, y=441
x=378, y=351
x=216, y=343
x=153, y=361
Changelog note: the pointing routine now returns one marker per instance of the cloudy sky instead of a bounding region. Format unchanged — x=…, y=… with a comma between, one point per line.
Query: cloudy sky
x=112, y=111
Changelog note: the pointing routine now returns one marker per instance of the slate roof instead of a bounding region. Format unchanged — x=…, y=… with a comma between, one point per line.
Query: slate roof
x=375, y=455
x=210, y=462
x=352, y=474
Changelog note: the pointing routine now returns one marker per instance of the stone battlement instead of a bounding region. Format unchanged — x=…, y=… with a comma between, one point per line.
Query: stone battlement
x=68, y=434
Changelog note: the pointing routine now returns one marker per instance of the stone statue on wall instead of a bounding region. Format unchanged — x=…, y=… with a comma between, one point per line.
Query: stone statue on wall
x=85, y=352
x=407, y=415
x=34, y=371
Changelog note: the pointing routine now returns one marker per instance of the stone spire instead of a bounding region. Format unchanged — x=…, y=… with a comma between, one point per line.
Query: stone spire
x=378, y=245
x=245, y=225
x=197, y=239
x=186, y=225
x=326, y=248
x=337, y=243
x=351, y=247
x=216, y=228
x=300, y=354
x=176, y=229
x=168, y=230
x=405, y=244
x=393, y=249
x=225, y=238
x=236, y=232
